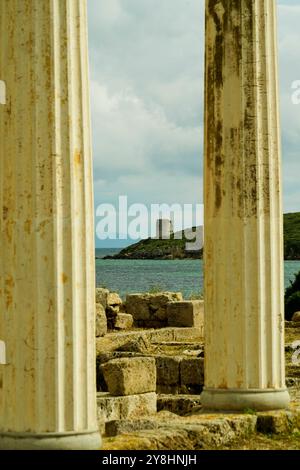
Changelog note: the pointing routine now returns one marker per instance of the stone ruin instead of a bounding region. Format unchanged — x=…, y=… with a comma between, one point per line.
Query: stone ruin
x=149, y=353
x=47, y=381
x=150, y=369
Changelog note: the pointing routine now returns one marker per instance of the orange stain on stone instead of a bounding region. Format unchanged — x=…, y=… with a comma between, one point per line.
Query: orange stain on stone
x=223, y=385
x=77, y=157
x=64, y=278
x=9, y=285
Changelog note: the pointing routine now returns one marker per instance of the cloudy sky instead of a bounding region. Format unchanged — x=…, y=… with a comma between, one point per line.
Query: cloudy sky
x=146, y=60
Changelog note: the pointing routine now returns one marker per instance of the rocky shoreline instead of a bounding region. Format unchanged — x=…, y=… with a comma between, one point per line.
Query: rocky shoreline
x=175, y=247
x=157, y=250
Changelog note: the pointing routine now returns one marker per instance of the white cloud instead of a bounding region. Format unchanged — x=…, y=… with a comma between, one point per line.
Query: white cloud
x=147, y=99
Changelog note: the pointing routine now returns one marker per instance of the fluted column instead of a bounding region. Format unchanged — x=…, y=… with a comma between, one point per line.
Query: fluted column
x=48, y=394
x=244, y=329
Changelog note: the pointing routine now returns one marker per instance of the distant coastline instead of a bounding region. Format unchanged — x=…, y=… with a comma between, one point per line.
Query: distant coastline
x=176, y=249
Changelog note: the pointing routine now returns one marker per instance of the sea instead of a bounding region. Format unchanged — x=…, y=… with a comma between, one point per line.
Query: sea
x=186, y=276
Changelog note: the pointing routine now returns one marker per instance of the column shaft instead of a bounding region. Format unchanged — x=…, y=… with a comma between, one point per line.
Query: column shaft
x=244, y=328
x=46, y=232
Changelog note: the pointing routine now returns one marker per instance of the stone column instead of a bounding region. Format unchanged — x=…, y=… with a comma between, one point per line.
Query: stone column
x=48, y=391
x=244, y=328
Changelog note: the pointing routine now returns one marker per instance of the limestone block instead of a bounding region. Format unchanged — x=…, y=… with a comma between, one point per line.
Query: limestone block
x=179, y=404
x=150, y=307
x=137, y=344
x=176, y=334
x=111, y=408
x=123, y=321
x=101, y=296
x=192, y=372
x=125, y=426
x=168, y=369
x=137, y=305
x=161, y=314
x=186, y=313
x=158, y=303
x=193, y=433
x=275, y=422
x=101, y=321
x=130, y=376
x=106, y=357
x=113, y=299
x=296, y=317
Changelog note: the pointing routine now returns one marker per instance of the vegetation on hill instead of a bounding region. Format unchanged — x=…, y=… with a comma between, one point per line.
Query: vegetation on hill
x=158, y=249
x=292, y=236
x=176, y=249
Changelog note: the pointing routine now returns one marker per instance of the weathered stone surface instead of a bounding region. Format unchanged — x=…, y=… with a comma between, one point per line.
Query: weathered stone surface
x=150, y=310
x=112, y=310
x=186, y=313
x=167, y=370
x=138, y=306
x=279, y=422
x=101, y=321
x=115, y=428
x=111, y=408
x=192, y=374
x=192, y=433
x=130, y=376
x=123, y=321
x=47, y=298
x=138, y=344
x=179, y=404
x=118, y=340
x=244, y=201
x=111, y=314
x=106, y=357
x=173, y=335
x=296, y=317
x=113, y=299
x=109, y=356
x=101, y=296
x=200, y=430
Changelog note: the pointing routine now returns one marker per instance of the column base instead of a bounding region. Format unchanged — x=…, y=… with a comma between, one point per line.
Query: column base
x=241, y=400
x=50, y=441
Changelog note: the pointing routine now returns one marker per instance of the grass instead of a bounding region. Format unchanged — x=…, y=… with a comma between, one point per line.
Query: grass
x=250, y=411
x=155, y=289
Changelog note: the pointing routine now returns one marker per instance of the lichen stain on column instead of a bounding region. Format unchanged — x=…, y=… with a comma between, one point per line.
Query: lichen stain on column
x=243, y=231
x=47, y=277
x=214, y=83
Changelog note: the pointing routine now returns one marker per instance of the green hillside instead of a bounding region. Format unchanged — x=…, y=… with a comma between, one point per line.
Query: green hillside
x=292, y=236
x=158, y=249
x=175, y=249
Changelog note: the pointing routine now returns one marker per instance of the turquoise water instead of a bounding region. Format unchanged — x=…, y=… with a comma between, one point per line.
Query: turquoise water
x=186, y=276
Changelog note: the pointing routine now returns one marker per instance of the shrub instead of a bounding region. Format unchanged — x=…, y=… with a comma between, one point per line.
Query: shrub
x=155, y=289
x=292, y=298
x=292, y=305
